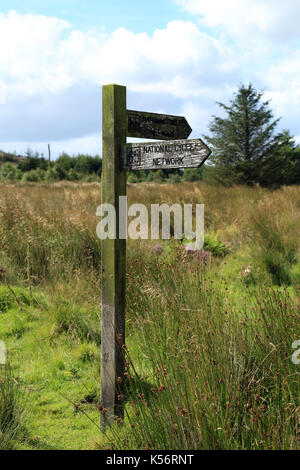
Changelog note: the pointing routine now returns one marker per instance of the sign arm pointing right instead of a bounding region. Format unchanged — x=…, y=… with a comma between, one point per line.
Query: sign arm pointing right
x=191, y=153
x=157, y=126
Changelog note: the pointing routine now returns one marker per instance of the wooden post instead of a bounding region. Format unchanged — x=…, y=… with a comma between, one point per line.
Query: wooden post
x=2, y=353
x=114, y=133
x=117, y=124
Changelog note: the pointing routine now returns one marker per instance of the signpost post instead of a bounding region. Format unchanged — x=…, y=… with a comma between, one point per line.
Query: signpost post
x=117, y=124
x=113, y=253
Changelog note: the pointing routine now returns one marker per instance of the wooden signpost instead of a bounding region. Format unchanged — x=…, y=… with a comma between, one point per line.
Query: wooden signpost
x=157, y=126
x=175, y=154
x=118, y=123
x=113, y=253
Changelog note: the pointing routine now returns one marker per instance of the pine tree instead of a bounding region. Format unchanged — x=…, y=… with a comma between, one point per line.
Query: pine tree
x=243, y=143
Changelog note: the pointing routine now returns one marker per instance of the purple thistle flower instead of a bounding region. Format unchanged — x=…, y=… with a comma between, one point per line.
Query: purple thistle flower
x=158, y=249
x=200, y=255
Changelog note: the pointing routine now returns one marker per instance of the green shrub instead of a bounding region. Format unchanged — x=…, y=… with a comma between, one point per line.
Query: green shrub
x=7, y=171
x=34, y=175
x=174, y=178
x=73, y=175
x=216, y=246
x=132, y=178
x=52, y=174
x=158, y=176
x=192, y=174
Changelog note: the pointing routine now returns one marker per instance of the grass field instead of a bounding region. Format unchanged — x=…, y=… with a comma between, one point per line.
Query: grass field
x=209, y=338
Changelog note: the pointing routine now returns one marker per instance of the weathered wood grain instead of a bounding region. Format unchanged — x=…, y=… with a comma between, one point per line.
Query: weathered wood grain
x=190, y=153
x=113, y=255
x=157, y=126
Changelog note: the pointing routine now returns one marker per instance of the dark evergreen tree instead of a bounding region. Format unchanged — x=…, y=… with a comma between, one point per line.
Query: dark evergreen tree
x=284, y=167
x=244, y=142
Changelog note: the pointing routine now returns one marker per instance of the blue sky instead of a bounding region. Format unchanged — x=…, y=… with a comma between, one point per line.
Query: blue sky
x=136, y=15
x=174, y=56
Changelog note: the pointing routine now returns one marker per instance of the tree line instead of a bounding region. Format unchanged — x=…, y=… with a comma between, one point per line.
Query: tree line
x=35, y=168
x=246, y=149
x=82, y=167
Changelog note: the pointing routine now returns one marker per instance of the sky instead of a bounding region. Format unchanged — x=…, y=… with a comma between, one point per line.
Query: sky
x=174, y=56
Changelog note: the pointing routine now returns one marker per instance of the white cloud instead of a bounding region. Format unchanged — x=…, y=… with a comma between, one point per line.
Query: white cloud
x=28, y=55
x=44, y=54
x=50, y=74
x=249, y=19
x=282, y=85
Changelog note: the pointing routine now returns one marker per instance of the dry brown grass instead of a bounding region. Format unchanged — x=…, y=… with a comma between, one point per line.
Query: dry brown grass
x=47, y=229
x=213, y=353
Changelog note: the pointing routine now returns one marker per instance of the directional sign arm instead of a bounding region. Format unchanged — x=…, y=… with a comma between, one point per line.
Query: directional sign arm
x=190, y=153
x=157, y=126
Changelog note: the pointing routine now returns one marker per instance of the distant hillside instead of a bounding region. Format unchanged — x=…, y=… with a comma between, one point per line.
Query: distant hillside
x=10, y=157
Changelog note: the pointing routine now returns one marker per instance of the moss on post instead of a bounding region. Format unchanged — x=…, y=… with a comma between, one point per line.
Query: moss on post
x=114, y=131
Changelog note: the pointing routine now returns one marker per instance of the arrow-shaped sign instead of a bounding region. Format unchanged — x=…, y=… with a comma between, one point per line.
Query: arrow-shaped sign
x=157, y=126
x=190, y=153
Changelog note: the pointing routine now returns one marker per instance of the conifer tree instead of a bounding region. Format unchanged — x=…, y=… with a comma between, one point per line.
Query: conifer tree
x=244, y=142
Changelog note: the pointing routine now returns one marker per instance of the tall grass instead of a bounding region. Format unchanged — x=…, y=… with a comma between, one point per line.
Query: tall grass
x=49, y=231
x=11, y=408
x=210, y=354
x=275, y=234
x=208, y=375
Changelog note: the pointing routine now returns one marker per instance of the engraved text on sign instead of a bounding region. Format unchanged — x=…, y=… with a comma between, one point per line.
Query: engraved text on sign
x=174, y=154
x=157, y=126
